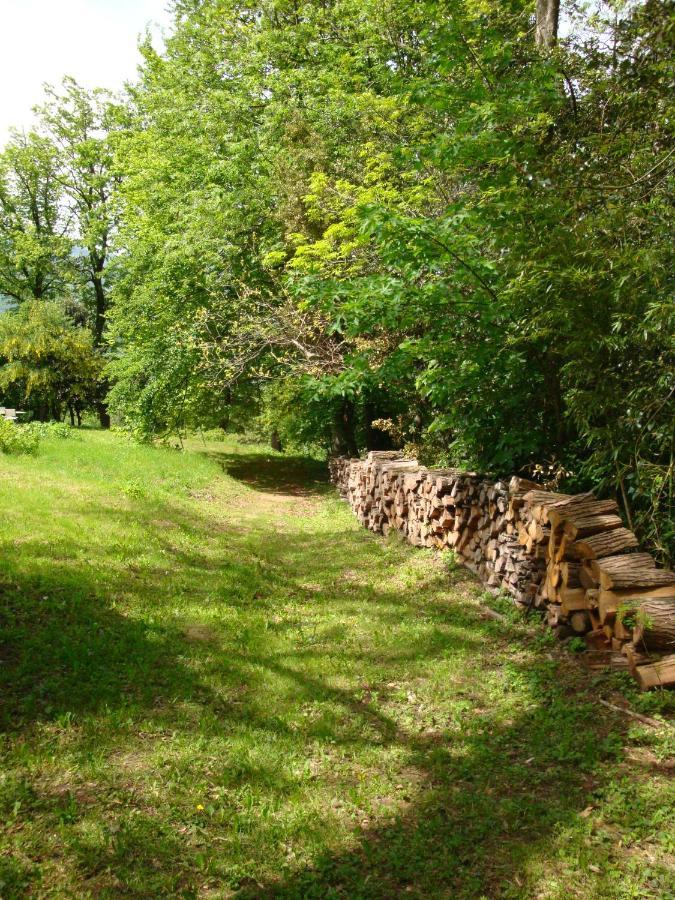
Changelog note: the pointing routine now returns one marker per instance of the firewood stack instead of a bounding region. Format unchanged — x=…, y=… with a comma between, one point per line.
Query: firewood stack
x=566, y=554
x=443, y=508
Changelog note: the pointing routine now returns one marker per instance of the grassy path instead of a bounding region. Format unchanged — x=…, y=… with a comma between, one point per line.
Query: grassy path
x=213, y=683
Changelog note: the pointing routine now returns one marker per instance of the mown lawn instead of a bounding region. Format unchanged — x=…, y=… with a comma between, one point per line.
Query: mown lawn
x=213, y=683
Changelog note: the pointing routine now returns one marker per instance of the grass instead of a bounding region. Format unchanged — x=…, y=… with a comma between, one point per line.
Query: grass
x=213, y=683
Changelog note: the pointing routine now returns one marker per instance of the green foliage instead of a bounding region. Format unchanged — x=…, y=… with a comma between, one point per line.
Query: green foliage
x=81, y=125
x=369, y=223
x=57, y=215
x=386, y=213
x=18, y=438
x=46, y=430
x=35, y=246
x=47, y=361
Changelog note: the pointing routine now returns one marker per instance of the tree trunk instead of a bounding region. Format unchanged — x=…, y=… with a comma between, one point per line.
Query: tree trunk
x=655, y=628
x=275, y=441
x=100, y=308
x=103, y=414
x=555, y=411
x=38, y=286
x=101, y=405
x=548, y=16
x=71, y=412
x=343, y=440
x=224, y=419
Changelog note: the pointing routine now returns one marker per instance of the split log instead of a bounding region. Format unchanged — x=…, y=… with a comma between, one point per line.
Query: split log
x=519, y=485
x=538, y=501
x=633, y=570
x=579, y=621
x=582, y=506
x=596, y=546
x=655, y=624
x=569, y=574
x=657, y=674
x=581, y=526
x=607, y=607
x=572, y=599
x=587, y=578
x=633, y=598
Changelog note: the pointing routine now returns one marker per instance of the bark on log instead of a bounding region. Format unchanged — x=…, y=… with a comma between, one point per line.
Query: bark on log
x=655, y=628
x=633, y=570
x=579, y=527
x=657, y=674
x=608, y=543
x=579, y=507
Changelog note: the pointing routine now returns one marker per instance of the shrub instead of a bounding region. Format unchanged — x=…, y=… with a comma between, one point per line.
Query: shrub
x=45, y=430
x=18, y=438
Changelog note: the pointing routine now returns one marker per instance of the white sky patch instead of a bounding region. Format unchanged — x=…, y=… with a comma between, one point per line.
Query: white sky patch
x=95, y=41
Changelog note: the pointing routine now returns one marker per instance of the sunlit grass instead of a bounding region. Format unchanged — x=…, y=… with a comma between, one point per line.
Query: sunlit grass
x=215, y=683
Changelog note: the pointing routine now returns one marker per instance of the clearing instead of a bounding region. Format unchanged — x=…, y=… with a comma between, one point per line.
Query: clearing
x=214, y=683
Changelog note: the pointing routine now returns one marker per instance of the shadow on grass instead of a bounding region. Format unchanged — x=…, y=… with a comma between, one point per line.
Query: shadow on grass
x=479, y=794
x=272, y=473
x=477, y=818
x=64, y=650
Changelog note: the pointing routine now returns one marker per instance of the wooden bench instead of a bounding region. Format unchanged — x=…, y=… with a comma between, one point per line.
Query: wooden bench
x=10, y=414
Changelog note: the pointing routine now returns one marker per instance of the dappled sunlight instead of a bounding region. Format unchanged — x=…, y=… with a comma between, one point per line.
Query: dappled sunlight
x=189, y=705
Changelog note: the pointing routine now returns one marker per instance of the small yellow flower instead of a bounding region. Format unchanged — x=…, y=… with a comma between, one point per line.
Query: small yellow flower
x=199, y=807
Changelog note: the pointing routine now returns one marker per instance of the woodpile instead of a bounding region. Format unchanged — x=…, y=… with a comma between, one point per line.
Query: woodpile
x=443, y=508
x=568, y=555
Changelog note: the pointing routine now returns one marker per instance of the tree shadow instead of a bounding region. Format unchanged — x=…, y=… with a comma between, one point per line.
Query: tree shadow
x=481, y=799
x=480, y=794
x=298, y=476
x=65, y=650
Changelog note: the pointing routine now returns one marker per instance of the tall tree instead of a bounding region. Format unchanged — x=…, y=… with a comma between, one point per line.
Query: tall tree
x=80, y=122
x=46, y=363
x=548, y=17
x=471, y=253
x=35, y=244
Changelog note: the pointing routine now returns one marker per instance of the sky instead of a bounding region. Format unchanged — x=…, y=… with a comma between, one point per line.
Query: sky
x=95, y=41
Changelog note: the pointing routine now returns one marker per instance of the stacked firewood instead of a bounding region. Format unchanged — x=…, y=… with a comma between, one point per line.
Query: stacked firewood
x=597, y=584
x=567, y=555
x=443, y=508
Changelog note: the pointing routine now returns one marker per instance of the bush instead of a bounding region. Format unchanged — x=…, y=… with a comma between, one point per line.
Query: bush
x=18, y=438
x=45, y=430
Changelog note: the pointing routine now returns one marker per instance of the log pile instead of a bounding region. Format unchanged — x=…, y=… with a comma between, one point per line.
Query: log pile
x=568, y=555
x=443, y=508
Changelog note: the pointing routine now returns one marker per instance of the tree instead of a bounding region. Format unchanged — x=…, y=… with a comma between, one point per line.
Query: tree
x=548, y=16
x=217, y=176
x=407, y=214
x=47, y=364
x=80, y=125
x=35, y=246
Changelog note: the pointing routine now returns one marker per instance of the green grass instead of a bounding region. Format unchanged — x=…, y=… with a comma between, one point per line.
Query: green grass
x=214, y=683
